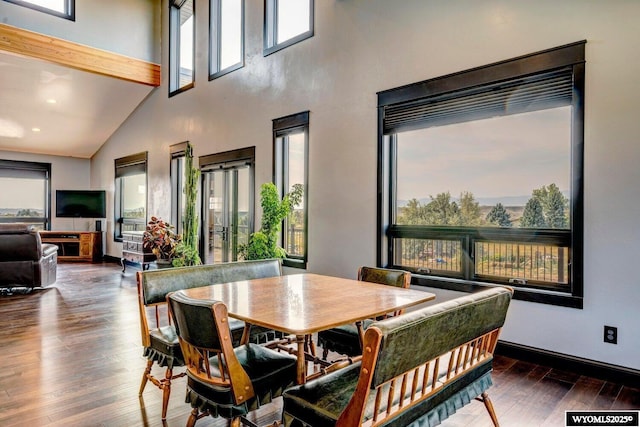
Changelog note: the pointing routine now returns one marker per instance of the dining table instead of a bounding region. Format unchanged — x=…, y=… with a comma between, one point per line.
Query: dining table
x=303, y=304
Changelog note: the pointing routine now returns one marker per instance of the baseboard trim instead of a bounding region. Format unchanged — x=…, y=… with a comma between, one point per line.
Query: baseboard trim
x=110, y=258
x=604, y=371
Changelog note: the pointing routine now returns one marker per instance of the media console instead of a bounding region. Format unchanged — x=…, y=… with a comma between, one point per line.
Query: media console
x=75, y=245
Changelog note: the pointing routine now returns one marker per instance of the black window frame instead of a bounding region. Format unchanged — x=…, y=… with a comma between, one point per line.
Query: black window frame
x=178, y=153
x=69, y=6
x=570, y=56
x=282, y=127
x=38, y=170
x=214, y=41
x=271, y=28
x=124, y=166
x=175, y=7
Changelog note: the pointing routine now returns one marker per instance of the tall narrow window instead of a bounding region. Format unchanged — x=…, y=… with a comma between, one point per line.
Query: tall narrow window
x=481, y=177
x=226, y=37
x=291, y=158
x=26, y=194
x=181, y=46
x=177, y=184
x=286, y=22
x=130, y=194
x=61, y=8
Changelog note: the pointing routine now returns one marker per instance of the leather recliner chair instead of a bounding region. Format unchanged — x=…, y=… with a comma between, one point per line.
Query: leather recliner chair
x=25, y=262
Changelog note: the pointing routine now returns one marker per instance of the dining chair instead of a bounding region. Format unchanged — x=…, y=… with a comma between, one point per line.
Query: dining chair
x=223, y=380
x=159, y=337
x=345, y=339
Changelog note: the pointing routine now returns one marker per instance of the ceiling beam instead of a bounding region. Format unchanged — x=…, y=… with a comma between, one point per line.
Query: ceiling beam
x=69, y=54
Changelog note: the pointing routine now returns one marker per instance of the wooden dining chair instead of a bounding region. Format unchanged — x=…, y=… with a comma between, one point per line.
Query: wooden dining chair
x=159, y=337
x=223, y=381
x=345, y=339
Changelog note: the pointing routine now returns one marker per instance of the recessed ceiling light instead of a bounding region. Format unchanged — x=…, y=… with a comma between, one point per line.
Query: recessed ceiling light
x=35, y=129
x=51, y=101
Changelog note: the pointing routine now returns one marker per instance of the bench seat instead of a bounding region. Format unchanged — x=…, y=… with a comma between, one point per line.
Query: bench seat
x=417, y=369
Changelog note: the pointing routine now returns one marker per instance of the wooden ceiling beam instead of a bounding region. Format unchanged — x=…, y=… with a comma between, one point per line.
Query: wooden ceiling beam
x=30, y=44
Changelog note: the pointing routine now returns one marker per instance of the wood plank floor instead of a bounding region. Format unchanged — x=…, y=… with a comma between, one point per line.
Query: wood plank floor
x=70, y=355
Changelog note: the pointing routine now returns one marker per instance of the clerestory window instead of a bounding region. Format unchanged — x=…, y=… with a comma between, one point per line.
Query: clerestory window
x=181, y=46
x=286, y=22
x=61, y=8
x=481, y=177
x=226, y=35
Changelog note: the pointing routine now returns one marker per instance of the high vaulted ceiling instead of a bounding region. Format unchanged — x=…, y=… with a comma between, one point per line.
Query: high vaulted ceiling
x=54, y=100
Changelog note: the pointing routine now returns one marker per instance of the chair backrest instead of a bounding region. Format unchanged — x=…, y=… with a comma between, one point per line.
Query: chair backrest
x=154, y=285
x=386, y=276
x=203, y=331
x=19, y=242
x=424, y=350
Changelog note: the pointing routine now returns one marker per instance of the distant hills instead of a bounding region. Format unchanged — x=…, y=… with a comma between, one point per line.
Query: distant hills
x=14, y=211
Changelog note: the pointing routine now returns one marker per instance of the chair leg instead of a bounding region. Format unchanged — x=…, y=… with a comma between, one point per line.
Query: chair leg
x=145, y=377
x=490, y=409
x=166, y=391
x=193, y=418
x=235, y=422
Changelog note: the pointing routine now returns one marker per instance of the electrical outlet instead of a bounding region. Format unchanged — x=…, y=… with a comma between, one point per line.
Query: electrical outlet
x=611, y=334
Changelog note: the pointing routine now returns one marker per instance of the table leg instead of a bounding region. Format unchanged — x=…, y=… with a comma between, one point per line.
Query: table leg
x=301, y=365
x=360, y=333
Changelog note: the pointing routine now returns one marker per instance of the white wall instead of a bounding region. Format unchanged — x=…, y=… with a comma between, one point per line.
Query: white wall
x=67, y=173
x=362, y=47
x=128, y=27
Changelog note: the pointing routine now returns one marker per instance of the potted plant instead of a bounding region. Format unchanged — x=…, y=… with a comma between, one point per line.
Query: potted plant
x=161, y=238
x=263, y=243
x=186, y=253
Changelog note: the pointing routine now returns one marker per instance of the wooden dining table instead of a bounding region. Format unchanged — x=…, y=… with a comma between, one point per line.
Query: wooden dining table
x=302, y=304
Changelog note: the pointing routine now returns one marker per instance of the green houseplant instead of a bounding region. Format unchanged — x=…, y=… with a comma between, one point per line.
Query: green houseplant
x=187, y=250
x=161, y=238
x=263, y=243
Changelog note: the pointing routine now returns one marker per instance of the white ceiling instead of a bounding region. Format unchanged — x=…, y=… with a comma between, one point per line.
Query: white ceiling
x=88, y=107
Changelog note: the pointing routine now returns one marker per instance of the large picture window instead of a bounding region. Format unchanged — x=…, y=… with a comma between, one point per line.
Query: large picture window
x=226, y=37
x=26, y=193
x=291, y=158
x=181, y=46
x=130, y=194
x=481, y=177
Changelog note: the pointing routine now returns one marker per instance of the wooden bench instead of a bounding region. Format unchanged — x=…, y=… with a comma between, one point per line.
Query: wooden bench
x=417, y=369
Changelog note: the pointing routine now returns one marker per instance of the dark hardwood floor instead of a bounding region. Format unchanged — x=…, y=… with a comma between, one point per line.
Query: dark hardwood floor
x=70, y=355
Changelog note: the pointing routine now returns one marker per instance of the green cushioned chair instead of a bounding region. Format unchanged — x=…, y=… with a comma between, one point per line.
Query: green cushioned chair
x=417, y=369
x=159, y=337
x=222, y=380
x=345, y=339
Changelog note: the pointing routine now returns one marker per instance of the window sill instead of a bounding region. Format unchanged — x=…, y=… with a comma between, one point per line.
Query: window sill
x=294, y=263
x=536, y=296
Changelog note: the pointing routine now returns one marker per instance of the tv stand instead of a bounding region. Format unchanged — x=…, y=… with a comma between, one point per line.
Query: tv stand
x=75, y=245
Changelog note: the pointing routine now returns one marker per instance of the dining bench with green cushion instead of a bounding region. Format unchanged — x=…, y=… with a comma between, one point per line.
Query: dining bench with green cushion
x=160, y=341
x=416, y=370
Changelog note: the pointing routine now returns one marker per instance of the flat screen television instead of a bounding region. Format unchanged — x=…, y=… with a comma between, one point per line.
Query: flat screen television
x=81, y=204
